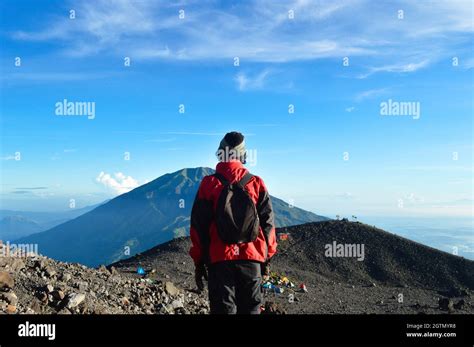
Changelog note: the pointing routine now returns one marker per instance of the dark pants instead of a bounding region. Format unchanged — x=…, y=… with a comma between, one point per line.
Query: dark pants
x=234, y=287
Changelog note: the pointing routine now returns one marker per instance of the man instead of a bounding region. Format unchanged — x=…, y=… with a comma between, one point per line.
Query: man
x=232, y=232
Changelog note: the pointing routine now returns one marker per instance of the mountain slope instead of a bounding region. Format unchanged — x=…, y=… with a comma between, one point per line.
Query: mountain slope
x=151, y=214
x=388, y=258
x=392, y=266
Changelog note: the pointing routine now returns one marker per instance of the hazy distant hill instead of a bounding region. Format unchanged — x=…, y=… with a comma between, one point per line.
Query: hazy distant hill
x=17, y=224
x=151, y=214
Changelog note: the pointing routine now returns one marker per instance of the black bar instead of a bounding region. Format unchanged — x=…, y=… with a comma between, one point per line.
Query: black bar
x=264, y=329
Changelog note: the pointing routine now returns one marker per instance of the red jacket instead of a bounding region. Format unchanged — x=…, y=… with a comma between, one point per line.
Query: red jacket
x=206, y=246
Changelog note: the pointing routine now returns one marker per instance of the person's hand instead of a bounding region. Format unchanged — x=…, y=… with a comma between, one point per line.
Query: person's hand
x=265, y=269
x=200, y=272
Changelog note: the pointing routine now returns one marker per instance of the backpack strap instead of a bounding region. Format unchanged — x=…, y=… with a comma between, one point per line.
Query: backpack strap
x=247, y=177
x=221, y=178
x=243, y=182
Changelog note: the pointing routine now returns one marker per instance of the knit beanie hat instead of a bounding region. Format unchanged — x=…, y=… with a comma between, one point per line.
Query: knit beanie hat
x=232, y=147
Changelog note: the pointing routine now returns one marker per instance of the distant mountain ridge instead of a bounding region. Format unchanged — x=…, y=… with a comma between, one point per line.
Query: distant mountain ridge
x=17, y=224
x=133, y=222
x=14, y=226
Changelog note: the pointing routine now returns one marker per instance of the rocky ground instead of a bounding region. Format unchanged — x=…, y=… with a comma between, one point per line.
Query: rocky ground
x=38, y=285
x=397, y=276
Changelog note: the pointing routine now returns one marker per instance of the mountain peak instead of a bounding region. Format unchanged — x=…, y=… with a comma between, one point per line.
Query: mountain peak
x=177, y=182
x=195, y=174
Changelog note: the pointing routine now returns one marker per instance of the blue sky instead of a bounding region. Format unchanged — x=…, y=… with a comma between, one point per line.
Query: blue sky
x=290, y=53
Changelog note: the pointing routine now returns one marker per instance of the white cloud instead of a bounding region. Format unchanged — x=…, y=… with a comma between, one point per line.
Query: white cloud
x=247, y=82
x=399, y=68
x=119, y=182
x=468, y=64
x=345, y=196
x=367, y=94
x=414, y=198
x=350, y=109
x=260, y=31
x=106, y=21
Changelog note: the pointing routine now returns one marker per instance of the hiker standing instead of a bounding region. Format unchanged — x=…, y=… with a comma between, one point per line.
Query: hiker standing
x=232, y=232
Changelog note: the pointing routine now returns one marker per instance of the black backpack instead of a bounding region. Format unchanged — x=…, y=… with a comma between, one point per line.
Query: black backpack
x=236, y=214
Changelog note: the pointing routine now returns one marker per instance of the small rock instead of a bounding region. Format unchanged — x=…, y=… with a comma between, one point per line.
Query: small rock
x=35, y=306
x=459, y=305
x=17, y=265
x=161, y=308
x=82, y=286
x=104, y=270
x=171, y=289
x=49, y=288
x=125, y=301
x=6, y=281
x=176, y=304
x=64, y=310
x=39, y=264
x=75, y=299
x=58, y=294
x=9, y=297
x=373, y=285
x=3, y=306
x=66, y=277
x=446, y=304
x=11, y=309
x=42, y=296
x=49, y=271
x=114, y=278
x=273, y=308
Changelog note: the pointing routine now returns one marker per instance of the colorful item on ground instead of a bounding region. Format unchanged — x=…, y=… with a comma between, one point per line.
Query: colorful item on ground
x=141, y=271
x=277, y=284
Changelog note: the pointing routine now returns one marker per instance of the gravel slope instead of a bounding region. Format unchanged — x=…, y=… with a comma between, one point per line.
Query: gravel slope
x=396, y=276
